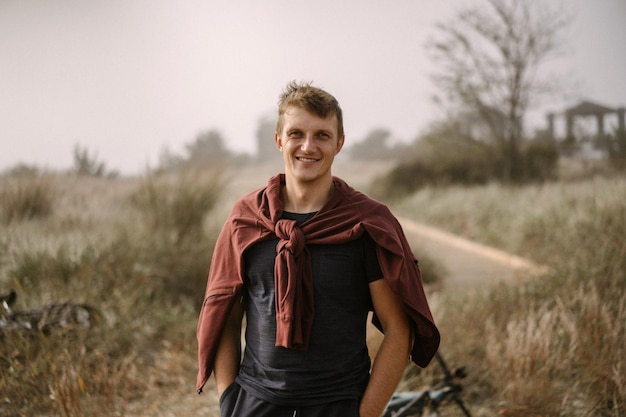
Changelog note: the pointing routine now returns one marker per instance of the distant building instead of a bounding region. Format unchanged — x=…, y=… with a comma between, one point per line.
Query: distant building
x=580, y=137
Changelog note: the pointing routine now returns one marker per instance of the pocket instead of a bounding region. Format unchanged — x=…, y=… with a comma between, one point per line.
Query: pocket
x=228, y=392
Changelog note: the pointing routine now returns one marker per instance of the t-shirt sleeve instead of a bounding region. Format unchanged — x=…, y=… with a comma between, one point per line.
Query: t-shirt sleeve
x=372, y=267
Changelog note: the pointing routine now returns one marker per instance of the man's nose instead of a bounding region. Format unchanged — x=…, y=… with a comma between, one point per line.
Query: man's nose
x=308, y=145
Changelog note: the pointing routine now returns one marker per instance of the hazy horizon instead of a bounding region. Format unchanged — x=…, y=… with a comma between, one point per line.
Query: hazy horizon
x=127, y=79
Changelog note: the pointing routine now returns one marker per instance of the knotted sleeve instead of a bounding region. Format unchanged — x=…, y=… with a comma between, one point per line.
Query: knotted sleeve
x=294, y=292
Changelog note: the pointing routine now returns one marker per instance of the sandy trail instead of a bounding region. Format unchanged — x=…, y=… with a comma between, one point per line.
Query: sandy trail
x=469, y=265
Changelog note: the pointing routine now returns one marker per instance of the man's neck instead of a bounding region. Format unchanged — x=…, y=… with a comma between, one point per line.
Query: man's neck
x=306, y=197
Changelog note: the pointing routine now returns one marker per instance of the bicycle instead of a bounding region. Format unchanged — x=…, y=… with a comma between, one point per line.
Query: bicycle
x=67, y=315
x=415, y=403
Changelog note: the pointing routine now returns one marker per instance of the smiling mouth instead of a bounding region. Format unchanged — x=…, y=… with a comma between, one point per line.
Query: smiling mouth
x=303, y=159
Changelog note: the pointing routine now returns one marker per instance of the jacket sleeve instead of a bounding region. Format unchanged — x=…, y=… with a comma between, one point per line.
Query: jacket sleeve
x=223, y=287
x=401, y=270
x=213, y=316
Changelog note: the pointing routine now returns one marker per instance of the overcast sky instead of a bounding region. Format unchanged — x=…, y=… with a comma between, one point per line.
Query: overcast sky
x=127, y=78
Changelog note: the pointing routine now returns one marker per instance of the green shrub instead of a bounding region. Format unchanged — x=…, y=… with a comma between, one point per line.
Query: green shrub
x=441, y=160
x=540, y=160
x=446, y=155
x=401, y=181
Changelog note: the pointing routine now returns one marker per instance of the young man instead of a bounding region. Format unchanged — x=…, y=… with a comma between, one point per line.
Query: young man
x=305, y=259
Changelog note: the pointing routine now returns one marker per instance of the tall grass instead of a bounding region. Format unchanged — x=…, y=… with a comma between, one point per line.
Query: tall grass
x=139, y=252
x=26, y=196
x=553, y=345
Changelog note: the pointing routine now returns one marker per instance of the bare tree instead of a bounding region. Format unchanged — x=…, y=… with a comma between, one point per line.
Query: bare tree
x=489, y=58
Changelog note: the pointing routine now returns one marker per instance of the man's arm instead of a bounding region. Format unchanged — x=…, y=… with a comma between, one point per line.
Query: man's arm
x=228, y=355
x=394, y=350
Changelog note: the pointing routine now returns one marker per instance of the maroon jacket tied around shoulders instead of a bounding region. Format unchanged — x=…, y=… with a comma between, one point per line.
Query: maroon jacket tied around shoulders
x=345, y=217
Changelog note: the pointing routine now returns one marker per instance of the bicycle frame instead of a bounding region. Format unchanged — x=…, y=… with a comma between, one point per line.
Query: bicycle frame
x=67, y=315
x=413, y=403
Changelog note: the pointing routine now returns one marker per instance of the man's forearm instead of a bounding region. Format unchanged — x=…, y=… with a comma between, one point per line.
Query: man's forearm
x=228, y=355
x=387, y=371
x=227, y=360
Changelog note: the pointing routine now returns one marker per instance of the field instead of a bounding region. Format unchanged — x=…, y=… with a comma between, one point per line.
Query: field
x=138, y=249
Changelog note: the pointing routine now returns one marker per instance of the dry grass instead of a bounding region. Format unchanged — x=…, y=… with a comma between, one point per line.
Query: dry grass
x=141, y=261
x=561, y=357
x=25, y=197
x=138, y=249
x=555, y=345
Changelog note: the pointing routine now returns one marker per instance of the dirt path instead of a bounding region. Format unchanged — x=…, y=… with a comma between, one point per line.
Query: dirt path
x=468, y=264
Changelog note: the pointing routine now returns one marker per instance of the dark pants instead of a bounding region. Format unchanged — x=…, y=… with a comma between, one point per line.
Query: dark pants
x=235, y=402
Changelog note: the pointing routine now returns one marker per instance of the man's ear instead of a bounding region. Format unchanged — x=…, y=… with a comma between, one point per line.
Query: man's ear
x=279, y=142
x=340, y=143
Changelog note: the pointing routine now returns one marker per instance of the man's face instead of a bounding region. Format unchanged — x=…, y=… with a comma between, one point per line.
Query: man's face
x=309, y=144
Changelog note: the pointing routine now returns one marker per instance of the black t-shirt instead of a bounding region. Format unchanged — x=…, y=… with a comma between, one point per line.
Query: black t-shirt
x=336, y=365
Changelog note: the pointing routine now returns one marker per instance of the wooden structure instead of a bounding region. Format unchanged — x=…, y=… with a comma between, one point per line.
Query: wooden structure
x=588, y=109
